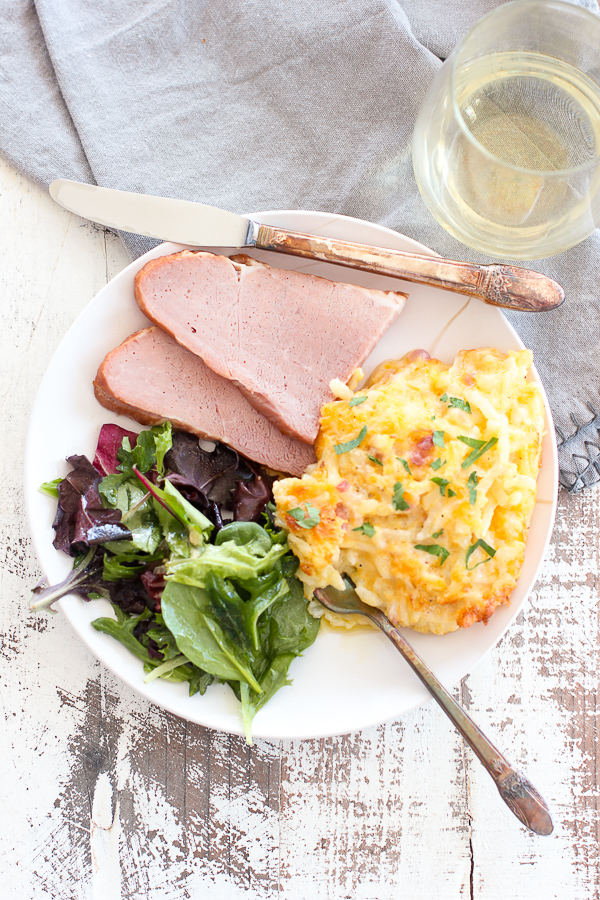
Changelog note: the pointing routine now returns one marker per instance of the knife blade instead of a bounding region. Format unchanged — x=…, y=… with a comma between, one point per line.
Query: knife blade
x=180, y=221
x=197, y=225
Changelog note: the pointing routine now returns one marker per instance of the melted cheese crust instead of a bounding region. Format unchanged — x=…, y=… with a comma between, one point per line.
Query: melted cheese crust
x=378, y=504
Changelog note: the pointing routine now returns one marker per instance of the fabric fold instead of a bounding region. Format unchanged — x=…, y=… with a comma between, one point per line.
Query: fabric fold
x=266, y=105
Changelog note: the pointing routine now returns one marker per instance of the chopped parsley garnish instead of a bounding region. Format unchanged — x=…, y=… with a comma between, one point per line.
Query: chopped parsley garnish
x=472, y=483
x=405, y=464
x=351, y=445
x=438, y=438
x=398, y=501
x=442, y=484
x=375, y=460
x=435, y=550
x=485, y=547
x=367, y=529
x=356, y=401
x=479, y=448
x=437, y=464
x=438, y=534
x=456, y=403
x=306, y=516
x=471, y=442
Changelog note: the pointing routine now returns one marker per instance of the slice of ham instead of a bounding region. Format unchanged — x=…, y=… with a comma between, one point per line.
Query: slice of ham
x=151, y=378
x=281, y=336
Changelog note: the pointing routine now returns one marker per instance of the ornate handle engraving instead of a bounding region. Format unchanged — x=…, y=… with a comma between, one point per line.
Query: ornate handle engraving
x=499, y=285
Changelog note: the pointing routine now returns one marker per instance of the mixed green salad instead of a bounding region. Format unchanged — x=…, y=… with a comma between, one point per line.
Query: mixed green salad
x=181, y=540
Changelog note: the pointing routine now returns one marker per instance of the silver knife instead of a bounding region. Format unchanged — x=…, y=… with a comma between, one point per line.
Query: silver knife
x=197, y=225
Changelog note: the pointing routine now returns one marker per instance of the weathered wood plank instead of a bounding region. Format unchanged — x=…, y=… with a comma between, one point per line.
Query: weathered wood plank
x=104, y=794
x=539, y=691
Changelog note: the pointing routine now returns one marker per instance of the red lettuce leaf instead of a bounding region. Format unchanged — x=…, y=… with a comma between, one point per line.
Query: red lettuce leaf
x=250, y=499
x=109, y=442
x=218, y=479
x=155, y=585
x=81, y=520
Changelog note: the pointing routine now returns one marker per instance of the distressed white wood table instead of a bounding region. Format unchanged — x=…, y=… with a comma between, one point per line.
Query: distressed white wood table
x=104, y=796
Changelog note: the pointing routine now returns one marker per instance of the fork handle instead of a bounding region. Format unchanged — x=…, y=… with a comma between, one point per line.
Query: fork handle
x=499, y=285
x=517, y=791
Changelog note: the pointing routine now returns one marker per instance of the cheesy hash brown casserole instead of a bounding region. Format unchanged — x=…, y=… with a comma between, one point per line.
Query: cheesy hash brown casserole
x=423, y=490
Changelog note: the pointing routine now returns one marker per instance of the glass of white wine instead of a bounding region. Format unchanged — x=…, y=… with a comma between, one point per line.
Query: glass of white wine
x=506, y=148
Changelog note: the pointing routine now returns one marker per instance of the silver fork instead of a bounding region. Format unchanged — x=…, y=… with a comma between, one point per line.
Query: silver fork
x=517, y=791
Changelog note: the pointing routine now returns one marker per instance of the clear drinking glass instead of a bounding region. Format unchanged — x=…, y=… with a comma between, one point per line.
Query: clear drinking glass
x=506, y=148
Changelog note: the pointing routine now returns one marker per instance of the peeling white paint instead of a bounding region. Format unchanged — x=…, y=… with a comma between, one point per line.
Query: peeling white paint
x=104, y=841
x=104, y=796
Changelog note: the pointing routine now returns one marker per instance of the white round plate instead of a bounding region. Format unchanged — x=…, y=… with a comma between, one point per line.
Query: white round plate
x=345, y=681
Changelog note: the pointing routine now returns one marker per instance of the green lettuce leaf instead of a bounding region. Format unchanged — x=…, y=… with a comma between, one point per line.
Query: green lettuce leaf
x=150, y=449
x=137, y=513
x=122, y=628
x=228, y=560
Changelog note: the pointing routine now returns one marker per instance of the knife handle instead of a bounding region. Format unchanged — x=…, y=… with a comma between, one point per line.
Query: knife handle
x=499, y=285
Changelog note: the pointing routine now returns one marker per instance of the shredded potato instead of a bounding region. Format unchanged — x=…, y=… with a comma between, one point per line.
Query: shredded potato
x=423, y=490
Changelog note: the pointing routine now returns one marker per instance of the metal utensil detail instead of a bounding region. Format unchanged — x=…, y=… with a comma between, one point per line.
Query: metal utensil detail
x=517, y=792
x=499, y=285
x=198, y=225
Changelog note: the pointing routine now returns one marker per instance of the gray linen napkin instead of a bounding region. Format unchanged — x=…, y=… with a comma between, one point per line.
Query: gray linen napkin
x=265, y=104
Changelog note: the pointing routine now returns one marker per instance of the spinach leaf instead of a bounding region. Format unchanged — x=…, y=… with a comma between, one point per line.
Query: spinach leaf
x=227, y=607
x=170, y=669
x=109, y=488
x=244, y=534
x=170, y=665
x=264, y=592
x=274, y=678
x=405, y=464
x=284, y=632
x=199, y=681
x=180, y=671
x=290, y=626
x=456, y=403
x=186, y=613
